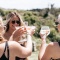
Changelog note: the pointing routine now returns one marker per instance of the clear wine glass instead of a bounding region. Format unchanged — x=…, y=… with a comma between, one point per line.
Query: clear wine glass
x=45, y=30
x=29, y=27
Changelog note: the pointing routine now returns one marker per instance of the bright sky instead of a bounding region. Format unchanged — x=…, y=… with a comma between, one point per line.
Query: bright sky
x=28, y=4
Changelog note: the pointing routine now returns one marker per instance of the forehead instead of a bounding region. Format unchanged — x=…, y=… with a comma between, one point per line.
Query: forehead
x=14, y=18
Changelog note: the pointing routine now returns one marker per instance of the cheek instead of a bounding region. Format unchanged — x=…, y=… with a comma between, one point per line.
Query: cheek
x=18, y=25
x=10, y=24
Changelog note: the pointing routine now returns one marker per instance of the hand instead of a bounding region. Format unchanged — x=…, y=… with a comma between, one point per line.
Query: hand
x=30, y=30
x=43, y=36
x=18, y=33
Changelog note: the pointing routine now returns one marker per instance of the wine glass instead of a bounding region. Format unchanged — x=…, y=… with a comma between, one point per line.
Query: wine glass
x=22, y=39
x=45, y=30
x=29, y=27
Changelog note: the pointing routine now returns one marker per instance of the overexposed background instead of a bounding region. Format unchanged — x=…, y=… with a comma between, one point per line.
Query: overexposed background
x=28, y=4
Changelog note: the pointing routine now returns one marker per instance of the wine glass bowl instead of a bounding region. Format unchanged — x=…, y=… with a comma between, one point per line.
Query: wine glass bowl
x=45, y=30
x=31, y=27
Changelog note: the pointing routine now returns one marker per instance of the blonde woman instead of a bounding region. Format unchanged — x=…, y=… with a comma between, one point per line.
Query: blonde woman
x=11, y=50
x=13, y=19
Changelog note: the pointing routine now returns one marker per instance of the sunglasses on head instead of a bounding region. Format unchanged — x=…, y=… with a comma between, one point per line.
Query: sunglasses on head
x=13, y=22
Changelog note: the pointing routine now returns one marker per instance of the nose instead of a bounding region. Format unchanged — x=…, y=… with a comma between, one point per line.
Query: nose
x=16, y=24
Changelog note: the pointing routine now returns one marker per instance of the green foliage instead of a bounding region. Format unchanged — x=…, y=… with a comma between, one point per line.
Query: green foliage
x=52, y=35
x=38, y=17
x=2, y=12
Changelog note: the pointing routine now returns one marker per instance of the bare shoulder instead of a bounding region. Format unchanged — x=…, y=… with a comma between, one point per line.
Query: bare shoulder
x=13, y=44
x=52, y=46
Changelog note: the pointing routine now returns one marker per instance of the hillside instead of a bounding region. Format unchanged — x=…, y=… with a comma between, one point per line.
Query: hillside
x=38, y=17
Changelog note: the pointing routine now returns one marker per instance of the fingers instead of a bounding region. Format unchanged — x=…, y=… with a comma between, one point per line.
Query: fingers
x=24, y=29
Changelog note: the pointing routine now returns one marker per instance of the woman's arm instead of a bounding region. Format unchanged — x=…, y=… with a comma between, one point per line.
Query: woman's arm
x=42, y=47
x=24, y=52
x=45, y=51
x=27, y=50
x=42, y=50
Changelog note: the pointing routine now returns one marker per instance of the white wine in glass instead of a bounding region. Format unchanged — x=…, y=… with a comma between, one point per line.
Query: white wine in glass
x=45, y=30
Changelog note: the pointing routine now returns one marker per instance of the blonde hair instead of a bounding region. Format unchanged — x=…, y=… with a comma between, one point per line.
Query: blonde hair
x=1, y=22
x=9, y=16
x=1, y=30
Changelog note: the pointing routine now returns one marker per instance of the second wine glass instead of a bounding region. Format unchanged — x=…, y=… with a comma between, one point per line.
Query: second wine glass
x=45, y=30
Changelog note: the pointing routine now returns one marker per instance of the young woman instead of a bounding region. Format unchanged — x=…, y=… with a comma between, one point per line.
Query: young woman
x=13, y=19
x=11, y=50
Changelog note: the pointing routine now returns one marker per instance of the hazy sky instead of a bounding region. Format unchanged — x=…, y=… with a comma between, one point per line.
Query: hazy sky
x=28, y=4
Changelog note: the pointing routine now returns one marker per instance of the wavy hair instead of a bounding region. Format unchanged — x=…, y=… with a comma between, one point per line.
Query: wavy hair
x=9, y=16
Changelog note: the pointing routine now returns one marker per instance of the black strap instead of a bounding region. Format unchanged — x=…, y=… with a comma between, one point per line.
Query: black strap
x=59, y=43
x=7, y=50
x=7, y=47
x=55, y=59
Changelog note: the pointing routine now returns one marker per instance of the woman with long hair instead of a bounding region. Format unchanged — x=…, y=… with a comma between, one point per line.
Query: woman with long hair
x=12, y=50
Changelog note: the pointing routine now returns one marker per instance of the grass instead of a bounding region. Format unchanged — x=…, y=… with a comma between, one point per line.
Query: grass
x=34, y=56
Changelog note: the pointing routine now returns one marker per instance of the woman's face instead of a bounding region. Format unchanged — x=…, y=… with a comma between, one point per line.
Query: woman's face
x=14, y=22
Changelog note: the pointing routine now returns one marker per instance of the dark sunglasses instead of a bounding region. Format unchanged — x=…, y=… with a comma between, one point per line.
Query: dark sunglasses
x=13, y=22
